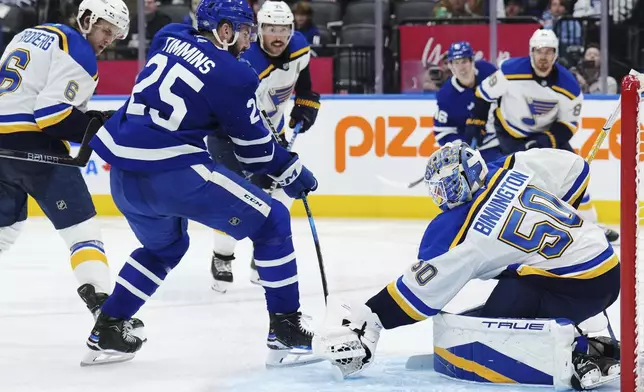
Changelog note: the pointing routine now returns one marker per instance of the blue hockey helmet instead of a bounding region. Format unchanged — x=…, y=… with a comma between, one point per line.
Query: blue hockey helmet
x=454, y=173
x=210, y=13
x=460, y=50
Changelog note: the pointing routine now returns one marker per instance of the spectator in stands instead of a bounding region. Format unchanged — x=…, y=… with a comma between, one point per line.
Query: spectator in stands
x=304, y=22
x=451, y=9
x=587, y=8
x=587, y=73
x=154, y=21
x=191, y=19
x=568, y=31
x=436, y=75
x=513, y=8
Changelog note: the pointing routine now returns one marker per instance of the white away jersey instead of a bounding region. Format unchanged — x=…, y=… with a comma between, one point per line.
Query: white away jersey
x=522, y=223
x=276, y=84
x=529, y=105
x=46, y=70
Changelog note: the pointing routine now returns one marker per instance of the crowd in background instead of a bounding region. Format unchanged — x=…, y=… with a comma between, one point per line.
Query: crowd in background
x=575, y=22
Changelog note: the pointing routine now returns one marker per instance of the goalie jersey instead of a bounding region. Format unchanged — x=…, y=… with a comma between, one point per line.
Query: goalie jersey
x=523, y=222
x=280, y=76
x=530, y=104
x=188, y=89
x=49, y=73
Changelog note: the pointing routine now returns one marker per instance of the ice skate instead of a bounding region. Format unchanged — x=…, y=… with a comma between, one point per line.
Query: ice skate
x=95, y=300
x=289, y=341
x=590, y=372
x=222, y=272
x=111, y=341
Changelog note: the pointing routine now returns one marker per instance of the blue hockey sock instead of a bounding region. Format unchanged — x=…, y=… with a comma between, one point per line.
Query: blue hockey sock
x=581, y=344
x=275, y=259
x=140, y=277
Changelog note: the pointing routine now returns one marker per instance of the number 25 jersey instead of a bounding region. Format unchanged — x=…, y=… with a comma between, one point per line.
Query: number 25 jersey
x=523, y=222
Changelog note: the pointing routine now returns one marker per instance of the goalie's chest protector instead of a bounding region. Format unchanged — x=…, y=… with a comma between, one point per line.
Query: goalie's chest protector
x=277, y=78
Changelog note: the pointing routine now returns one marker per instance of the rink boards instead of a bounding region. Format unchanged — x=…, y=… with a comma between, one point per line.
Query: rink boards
x=364, y=149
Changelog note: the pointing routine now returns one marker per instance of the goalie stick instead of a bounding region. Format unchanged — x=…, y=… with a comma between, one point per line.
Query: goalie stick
x=80, y=160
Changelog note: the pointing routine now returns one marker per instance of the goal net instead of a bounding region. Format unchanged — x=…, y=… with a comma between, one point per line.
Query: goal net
x=632, y=236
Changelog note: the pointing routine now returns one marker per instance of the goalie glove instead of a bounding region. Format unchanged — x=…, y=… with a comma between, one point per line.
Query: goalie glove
x=351, y=347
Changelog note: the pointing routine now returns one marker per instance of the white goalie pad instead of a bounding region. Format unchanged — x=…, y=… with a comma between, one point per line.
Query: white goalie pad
x=505, y=351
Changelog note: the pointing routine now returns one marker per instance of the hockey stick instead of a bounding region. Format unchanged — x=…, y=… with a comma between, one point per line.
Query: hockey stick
x=289, y=147
x=80, y=160
x=609, y=124
x=309, y=214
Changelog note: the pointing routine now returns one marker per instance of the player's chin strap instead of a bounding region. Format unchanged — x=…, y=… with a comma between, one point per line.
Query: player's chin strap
x=225, y=45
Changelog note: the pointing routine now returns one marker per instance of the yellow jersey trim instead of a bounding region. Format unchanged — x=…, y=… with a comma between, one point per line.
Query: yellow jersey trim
x=519, y=77
x=507, y=126
x=266, y=72
x=509, y=161
x=563, y=91
x=402, y=303
x=61, y=35
x=299, y=53
x=604, y=267
x=53, y=120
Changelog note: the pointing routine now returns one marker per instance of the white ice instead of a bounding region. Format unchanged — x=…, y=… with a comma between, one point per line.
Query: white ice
x=204, y=341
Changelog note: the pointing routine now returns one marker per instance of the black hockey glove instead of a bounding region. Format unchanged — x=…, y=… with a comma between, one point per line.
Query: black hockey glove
x=305, y=110
x=474, y=132
x=101, y=116
x=540, y=140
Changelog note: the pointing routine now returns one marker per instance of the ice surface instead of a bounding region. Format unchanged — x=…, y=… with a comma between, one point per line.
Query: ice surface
x=200, y=340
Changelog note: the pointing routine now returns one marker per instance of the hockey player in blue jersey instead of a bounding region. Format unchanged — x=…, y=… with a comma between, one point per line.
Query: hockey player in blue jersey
x=162, y=174
x=49, y=73
x=539, y=105
x=281, y=59
x=512, y=220
x=455, y=99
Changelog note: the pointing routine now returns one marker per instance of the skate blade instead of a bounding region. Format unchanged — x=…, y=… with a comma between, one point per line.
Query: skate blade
x=220, y=286
x=291, y=358
x=105, y=357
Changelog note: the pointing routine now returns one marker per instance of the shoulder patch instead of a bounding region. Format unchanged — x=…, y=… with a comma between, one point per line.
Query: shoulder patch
x=298, y=46
x=567, y=83
x=73, y=43
x=517, y=68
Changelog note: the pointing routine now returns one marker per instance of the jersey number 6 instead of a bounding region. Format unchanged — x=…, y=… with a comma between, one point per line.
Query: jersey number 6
x=11, y=78
x=178, y=105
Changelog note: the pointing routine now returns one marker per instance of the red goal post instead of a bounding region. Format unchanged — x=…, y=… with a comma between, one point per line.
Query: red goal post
x=631, y=211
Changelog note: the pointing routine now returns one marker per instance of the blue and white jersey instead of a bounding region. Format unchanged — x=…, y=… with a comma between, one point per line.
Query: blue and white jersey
x=278, y=76
x=48, y=74
x=532, y=105
x=455, y=103
x=188, y=88
x=522, y=222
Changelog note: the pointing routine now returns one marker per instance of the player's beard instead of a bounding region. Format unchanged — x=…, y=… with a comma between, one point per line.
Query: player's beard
x=544, y=66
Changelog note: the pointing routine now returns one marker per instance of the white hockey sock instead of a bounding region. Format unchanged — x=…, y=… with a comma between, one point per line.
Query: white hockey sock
x=586, y=210
x=9, y=235
x=223, y=244
x=88, y=259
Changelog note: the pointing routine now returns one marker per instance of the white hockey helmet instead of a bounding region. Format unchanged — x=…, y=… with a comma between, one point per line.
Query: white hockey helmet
x=276, y=13
x=543, y=38
x=112, y=11
x=454, y=173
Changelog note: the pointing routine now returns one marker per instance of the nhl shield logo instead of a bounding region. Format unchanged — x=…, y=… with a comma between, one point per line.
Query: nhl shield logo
x=234, y=221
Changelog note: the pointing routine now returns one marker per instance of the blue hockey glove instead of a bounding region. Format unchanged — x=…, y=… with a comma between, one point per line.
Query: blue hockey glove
x=305, y=110
x=296, y=180
x=474, y=131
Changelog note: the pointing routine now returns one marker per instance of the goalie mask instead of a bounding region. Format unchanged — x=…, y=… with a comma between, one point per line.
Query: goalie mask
x=454, y=173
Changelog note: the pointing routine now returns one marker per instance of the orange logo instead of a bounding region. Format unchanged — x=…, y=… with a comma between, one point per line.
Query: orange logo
x=374, y=138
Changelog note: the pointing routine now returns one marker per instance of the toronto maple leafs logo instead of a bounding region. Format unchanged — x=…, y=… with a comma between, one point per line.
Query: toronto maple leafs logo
x=538, y=107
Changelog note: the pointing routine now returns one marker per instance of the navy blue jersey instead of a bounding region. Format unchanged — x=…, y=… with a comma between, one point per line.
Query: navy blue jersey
x=188, y=88
x=454, y=105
